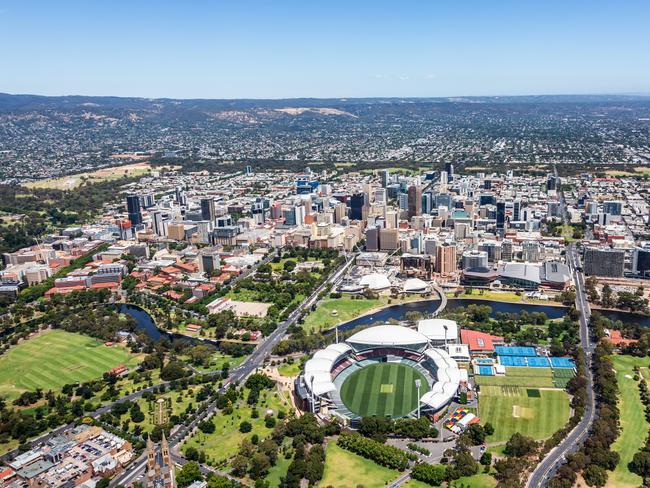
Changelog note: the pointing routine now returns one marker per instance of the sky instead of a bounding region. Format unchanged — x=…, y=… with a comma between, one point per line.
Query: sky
x=327, y=48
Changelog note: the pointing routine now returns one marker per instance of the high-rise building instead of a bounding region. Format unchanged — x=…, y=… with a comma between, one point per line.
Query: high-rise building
x=160, y=467
x=449, y=168
x=414, y=201
x=501, y=214
x=385, y=177
x=133, y=209
x=340, y=211
x=604, y=262
x=444, y=178
x=147, y=201
x=157, y=223
x=372, y=239
x=475, y=259
x=551, y=183
x=209, y=261
x=641, y=260
x=493, y=250
x=506, y=250
x=530, y=251
x=208, y=211
x=358, y=202
x=446, y=259
x=388, y=239
x=249, y=170
x=516, y=210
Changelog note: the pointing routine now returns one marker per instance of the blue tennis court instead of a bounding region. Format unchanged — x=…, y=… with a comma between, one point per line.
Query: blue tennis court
x=512, y=360
x=485, y=371
x=515, y=351
x=484, y=361
x=562, y=363
x=538, y=362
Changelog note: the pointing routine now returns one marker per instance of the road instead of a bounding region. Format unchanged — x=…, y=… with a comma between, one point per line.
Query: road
x=547, y=469
x=252, y=362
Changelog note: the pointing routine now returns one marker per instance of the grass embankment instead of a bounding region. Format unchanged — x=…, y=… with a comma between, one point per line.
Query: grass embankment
x=56, y=358
x=533, y=412
x=499, y=296
x=344, y=469
x=634, y=428
x=224, y=442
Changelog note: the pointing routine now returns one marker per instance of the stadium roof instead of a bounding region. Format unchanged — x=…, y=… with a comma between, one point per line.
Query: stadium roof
x=388, y=335
x=434, y=329
x=414, y=284
x=520, y=271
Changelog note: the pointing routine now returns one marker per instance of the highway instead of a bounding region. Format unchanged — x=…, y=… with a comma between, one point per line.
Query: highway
x=252, y=362
x=547, y=469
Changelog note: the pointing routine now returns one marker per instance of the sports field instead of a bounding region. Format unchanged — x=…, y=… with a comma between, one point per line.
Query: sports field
x=634, y=428
x=535, y=412
x=344, y=469
x=56, y=358
x=383, y=389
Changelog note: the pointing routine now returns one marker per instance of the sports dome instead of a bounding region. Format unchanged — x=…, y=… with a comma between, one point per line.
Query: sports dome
x=375, y=281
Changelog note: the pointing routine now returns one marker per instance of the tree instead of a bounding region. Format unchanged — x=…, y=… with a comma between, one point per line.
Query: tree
x=189, y=473
x=594, y=475
x=486, y=459
x=260, y=465
x=174, y=370
x=376, y=427
x=519, y=445
x=607, y=296
x=431, y=474
x=641, y=464
x=103, y=483
x=245, y=427
x=207, y=427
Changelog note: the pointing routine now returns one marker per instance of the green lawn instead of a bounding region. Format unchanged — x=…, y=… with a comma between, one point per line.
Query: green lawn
x=383, y=389
x=480, y=480
x=634, y=428
x=289, y=370
x=532, y=412
x=346, y=309
x=56, y=358
x=278, y=471
x=515, y=376
x=224, y=442
x=344, y=469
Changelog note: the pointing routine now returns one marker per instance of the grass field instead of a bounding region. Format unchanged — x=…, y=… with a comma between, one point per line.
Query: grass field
x=383, y=389
x=344, y=469
x=103, y=174
x=480, y=480
x=289, y=370
x=634, y=428
x=56, y=358
x=346, y=309
x=537, y=413
x=538, y=377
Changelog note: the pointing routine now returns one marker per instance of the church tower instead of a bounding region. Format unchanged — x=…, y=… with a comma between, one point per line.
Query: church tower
x=160, y=467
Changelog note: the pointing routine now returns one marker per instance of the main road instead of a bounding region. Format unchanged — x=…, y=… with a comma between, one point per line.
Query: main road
x=252, y=362
x=547, y=469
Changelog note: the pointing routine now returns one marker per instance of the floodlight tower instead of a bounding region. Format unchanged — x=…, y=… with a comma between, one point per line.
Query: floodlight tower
x=418, y=383
x=445, y=327
x=313, y=404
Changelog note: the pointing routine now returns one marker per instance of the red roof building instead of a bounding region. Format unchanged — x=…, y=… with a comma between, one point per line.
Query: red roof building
x=616, y=338
x=480, y=342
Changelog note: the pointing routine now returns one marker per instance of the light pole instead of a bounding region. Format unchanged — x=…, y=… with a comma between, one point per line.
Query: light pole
x=445, y=327
x=313, y=404
x=337, y=333
x=417, y=385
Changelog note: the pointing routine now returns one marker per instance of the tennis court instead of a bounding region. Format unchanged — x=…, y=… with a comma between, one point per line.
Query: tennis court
x=515, y=351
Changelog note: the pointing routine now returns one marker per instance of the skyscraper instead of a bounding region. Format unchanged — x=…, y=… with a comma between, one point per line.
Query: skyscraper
x=446, y=259
x=208, y=211
x=516, y=210
x=357, y=203
x=414, y=201
x=501, y=214
x=133, y=209
x=449, y=168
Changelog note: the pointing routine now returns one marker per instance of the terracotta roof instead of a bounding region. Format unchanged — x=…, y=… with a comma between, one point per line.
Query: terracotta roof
x=479, y=341
x=616, y=338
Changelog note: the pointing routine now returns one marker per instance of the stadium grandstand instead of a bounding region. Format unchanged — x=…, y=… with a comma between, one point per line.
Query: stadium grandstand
x=386, y=370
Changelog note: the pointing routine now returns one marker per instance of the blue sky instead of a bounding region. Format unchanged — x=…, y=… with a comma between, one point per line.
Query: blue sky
x=278, y=49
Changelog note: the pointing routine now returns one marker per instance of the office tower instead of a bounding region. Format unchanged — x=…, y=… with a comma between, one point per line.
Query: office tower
x=385, y=178
x=224, y=221
x=493, y=250
x=506, y=250
x=430, y=246
x=604, y=262
x=133, y=209
x=530, y=251
x=340, y=211
x=613, y=207
x=209, y=261
x=591, y=208
x=443, y=200
x=379, y=196
x=551, y=183
x=446, y=259
x=392, y=219
x=449, y=169
x=444, y=179
x=475, y=259
x=295, y=215
x=372, y=239
x=157, y=223
x=461, y=230
x=403, y=201
x=357, y=204
x=276, y=210
x=388, y=239
x=516, y=210
x=207, y=209
x=501, y=214
x=147, y=201
x=414, y=201
x=249, y=170
x=181, y=199
x=427, y=202
x=487, y=200
x=641, y=260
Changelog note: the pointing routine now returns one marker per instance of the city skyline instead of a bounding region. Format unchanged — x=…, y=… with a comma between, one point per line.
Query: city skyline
x=293, y=50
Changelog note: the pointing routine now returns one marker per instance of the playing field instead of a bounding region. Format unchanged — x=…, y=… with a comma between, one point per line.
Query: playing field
x=56, y=358
x=534, y=412
x=634, y=428
x=383, y=389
